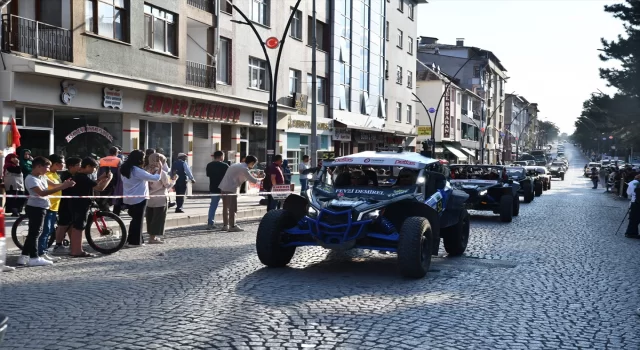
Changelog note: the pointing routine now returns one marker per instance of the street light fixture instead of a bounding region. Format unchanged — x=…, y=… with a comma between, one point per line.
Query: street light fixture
x=270, y=43
x=433, y=120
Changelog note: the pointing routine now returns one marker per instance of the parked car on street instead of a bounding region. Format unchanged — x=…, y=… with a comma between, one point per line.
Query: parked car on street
x=587, y=168
x=489, y=188
x=388, y=201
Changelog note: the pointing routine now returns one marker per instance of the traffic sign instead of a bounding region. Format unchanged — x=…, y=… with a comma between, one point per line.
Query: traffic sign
x=272, y=42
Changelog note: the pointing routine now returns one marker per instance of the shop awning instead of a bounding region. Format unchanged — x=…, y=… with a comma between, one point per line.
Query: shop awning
x=468, y=151
x=456, y=152
x=439, y=150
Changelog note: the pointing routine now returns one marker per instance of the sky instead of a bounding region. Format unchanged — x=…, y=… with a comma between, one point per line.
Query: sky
x=549, y=47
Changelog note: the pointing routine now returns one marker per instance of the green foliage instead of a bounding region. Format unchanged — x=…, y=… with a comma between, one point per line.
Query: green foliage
x=603, y=115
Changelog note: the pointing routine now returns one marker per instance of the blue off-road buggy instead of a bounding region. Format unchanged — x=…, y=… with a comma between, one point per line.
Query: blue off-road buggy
x=387, y=201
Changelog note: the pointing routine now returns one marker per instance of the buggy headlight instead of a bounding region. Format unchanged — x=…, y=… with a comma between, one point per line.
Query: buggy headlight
x=482, y=193
x=421, y=180
x=372, y=215
x=309, y=176
x=312, y=212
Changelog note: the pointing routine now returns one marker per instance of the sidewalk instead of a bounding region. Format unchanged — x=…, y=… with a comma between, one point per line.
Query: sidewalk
x=196, y=211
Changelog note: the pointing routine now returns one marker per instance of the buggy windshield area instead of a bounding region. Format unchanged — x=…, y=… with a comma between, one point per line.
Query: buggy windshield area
x=515, y=172
x=476, y=172
x=366, y=181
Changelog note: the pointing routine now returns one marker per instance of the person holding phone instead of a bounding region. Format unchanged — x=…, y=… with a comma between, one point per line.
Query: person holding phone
x=109, y=164
x=156, y=212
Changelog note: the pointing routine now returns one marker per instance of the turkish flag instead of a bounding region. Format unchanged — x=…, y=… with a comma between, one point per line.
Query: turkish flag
x=15, y=134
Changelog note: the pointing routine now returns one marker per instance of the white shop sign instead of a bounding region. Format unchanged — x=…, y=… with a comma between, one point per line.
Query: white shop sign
x=112, y=98
x=341, y=134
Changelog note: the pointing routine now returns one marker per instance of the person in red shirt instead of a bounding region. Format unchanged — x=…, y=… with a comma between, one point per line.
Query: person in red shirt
x=276, y=177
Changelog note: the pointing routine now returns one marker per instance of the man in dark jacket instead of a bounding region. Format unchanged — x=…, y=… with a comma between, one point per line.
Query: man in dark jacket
x=182, y=169
x=215, y=172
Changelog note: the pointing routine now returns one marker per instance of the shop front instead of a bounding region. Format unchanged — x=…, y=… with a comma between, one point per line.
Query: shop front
x=79, y=118
x=297, y=140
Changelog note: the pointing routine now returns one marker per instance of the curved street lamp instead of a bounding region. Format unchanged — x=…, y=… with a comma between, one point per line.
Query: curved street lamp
x=433, y=120
x=272, y=104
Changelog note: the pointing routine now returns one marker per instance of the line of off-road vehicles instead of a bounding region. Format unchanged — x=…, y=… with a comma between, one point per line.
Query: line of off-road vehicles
x=393, y=201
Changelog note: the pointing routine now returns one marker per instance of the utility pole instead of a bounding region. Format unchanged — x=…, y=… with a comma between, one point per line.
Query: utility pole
x=314, y=93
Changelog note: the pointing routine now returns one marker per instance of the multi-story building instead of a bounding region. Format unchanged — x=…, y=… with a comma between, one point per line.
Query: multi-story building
x=446, y=118
x=481, y=72
x=190, y=76
x=516, y=117
x=471, y=119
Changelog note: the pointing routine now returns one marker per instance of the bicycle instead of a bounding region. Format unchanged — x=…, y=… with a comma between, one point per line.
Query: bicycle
x=96, y=225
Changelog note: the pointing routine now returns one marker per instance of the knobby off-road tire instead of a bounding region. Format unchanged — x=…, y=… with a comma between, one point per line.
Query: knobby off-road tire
x=269, y=239
x=516, y=206
x=549, y=184
x=538, y=189
x=562, y=177
x=414, y=247
x=528, y=195
x=456, y=237
x=506, y=208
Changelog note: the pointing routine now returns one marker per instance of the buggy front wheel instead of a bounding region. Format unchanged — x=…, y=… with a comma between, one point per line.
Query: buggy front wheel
x=105, y=232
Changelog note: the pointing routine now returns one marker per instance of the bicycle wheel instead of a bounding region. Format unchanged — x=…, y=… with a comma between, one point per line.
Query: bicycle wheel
x=105, y=232
x=19, y=231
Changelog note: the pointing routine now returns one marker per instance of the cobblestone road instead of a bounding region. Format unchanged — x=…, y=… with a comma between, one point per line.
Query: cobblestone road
x=555, y=278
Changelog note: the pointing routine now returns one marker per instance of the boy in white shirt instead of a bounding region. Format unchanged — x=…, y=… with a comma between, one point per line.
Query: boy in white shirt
x=36, y=209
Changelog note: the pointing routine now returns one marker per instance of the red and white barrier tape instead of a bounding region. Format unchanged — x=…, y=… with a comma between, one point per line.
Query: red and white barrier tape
x=157, y=195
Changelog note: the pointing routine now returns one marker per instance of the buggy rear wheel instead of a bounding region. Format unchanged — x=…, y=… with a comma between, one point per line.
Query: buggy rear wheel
x=506, y=208
x=414, y=247
x=538, y=188
x=456, y=237
x=269, y=239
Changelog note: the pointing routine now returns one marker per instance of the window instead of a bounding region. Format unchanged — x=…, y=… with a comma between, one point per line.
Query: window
x=386, y=31
x=409, y=114
x=260, y=11
x=398, y=112
x=386, y=69
x=294, y=81
x=224, y=61
x=410, y=6
x=399, y=75
x=410, y=43
x=321, y=86
x=401, y=5
x=225, y=6
x=107, y=18
x=409, y=79
x=400, y=38
x=296, y=25
x=160, y=29
x=258, y=74
x=321, y=42
x=386, y=109
x=476, y=71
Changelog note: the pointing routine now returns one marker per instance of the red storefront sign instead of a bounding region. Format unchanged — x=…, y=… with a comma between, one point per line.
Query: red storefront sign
x=194, y=109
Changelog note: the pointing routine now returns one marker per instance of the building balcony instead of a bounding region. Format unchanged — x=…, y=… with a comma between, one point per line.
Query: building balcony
x=470, y=144
x=205, y=5
x=35, y=38
x=201, y=75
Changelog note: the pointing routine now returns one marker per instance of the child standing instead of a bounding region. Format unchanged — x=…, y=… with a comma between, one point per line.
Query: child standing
x=53, y=179
x=36, y=209
x=64, y=207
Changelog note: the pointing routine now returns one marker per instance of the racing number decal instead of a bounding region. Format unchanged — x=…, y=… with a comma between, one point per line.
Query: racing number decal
x=439, y=205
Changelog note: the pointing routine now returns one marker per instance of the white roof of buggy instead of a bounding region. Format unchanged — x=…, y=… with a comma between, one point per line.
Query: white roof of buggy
x=404, y=159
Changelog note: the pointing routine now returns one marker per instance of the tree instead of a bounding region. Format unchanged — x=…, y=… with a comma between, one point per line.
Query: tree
x=624, y=49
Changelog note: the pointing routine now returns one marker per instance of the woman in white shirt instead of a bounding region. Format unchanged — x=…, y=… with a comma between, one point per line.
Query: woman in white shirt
x=135, y=183
x=156, y=213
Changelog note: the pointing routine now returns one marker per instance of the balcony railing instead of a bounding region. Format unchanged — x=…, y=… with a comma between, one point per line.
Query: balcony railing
x=205, y=5
x=39, y=39
x=201, y=75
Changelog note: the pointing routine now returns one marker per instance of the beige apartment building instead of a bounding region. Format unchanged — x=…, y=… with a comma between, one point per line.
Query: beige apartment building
x=190, y=76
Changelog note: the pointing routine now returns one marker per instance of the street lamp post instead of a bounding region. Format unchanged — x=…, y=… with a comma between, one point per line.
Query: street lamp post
x=272, y=104
x=446, y=88
x=488, y=122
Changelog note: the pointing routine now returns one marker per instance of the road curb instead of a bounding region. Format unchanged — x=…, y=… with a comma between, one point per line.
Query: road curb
x=201, y=219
